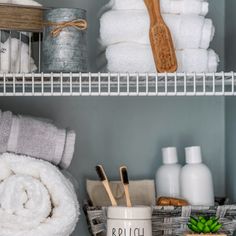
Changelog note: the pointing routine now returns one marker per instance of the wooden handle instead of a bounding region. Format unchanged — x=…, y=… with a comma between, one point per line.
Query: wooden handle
x=109, y=192
x=154, y=9
x=127, y=196
x=161, y=39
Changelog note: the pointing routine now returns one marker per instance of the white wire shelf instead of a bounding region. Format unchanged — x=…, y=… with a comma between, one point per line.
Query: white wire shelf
x=113, y=84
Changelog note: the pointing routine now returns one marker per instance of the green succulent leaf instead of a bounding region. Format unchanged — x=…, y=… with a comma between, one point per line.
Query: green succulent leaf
x=206, y=230
x=217, y=228
x=193, y=220
x=209, y=222
x=194, y=228
x=202, y=219
x=214, y=225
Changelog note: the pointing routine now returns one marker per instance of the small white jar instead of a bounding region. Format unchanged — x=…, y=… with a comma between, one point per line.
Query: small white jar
x=132, y=221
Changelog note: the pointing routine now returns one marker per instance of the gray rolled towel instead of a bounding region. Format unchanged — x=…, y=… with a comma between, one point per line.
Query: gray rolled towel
x=5, y=129
x=40, y=139
x=68, y=149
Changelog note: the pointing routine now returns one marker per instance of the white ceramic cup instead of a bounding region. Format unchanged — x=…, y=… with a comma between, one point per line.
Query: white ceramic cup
x=133, y=221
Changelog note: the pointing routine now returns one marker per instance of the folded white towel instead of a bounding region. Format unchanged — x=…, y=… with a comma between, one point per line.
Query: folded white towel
x=35, y=198
x=130, y=57
x=188, y=31
x=15, y=57
x=198, y=7
x=21, y=2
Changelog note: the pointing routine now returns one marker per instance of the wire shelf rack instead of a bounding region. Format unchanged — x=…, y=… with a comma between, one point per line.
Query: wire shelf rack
x=113, y=84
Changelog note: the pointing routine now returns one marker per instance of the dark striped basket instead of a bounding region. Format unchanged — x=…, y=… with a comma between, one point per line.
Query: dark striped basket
x=167, y=220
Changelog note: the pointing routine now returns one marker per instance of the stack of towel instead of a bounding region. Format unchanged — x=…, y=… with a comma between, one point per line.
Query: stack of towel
x=124, y=33
x=36, y=138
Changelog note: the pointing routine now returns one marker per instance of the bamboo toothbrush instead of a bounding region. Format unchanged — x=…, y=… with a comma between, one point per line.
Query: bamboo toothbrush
x=102, y=175
x=125, y=180
x=160, y=39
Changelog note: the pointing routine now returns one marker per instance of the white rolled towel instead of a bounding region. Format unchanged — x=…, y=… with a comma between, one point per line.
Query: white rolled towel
x=35, y=198
x=131, y=57
x=198, y=7
x=188, y=31
x=15, y=57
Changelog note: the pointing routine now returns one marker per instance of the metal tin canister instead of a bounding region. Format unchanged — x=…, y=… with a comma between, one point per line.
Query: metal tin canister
x=66, y=52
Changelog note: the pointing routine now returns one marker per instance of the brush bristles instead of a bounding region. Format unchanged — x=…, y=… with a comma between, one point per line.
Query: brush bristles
x=101, y=173
x=125, y=177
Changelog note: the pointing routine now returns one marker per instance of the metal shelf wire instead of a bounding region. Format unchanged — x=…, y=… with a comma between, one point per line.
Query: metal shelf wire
x=114, y=84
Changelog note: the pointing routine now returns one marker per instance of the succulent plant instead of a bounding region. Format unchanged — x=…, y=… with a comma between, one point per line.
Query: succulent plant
x=204, y=225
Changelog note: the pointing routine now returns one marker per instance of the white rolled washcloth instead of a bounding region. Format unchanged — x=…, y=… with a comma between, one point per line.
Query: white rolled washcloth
x=35, y=198
x=198, y=7
x=131, y=57
x=188, y=31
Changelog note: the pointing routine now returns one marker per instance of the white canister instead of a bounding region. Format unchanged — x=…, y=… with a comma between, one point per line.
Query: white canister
x=132, y=221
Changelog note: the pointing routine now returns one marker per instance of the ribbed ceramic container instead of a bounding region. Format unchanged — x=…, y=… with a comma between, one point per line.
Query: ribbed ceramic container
x=66, y=52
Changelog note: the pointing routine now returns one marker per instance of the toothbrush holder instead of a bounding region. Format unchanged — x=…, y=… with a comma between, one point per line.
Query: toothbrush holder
x=129, y=221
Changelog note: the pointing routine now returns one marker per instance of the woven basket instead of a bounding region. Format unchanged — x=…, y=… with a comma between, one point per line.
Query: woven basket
x=21, y=18
x=168, y=220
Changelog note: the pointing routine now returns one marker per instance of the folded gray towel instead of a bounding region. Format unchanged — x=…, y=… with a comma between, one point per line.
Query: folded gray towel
x=68, y=149
x=5, y=128
x=40, y=139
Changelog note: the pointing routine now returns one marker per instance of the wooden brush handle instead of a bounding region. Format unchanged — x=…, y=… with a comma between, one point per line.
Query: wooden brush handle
x=108, y=189
x=161, y=40
x=127, y=196
x=154, y=9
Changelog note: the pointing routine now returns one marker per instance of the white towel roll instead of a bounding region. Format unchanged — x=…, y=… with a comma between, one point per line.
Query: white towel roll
x=198, y=7
x=35, y=198
x=130, y=57
x=188, y=31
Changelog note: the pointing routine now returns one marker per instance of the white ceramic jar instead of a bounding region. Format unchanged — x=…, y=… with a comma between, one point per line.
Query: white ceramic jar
x=196, y=179
x=168, y=175
x=133, y=221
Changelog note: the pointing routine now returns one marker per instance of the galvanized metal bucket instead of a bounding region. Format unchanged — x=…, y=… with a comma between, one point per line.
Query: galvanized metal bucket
x=64, y=42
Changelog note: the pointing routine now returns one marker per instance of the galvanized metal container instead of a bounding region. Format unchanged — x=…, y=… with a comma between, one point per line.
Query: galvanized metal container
x=65, y=51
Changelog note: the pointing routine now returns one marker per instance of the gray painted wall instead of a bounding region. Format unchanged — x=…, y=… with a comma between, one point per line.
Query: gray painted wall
x=230, y=148
x=230, y=29
x=116, y=131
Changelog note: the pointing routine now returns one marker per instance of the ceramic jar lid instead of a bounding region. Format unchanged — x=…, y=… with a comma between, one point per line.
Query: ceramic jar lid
x=130, y=213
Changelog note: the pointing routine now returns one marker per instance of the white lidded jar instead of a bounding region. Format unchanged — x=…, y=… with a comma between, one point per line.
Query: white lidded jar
x=196, y=179
x=129, y=221
x=168, y=175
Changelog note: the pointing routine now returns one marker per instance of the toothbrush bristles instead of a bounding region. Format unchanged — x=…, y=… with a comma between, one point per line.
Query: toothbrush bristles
x=100, y=172
x=125, y=177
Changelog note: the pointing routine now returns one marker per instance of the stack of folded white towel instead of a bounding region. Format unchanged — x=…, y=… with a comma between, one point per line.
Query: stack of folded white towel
x=124, y=33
